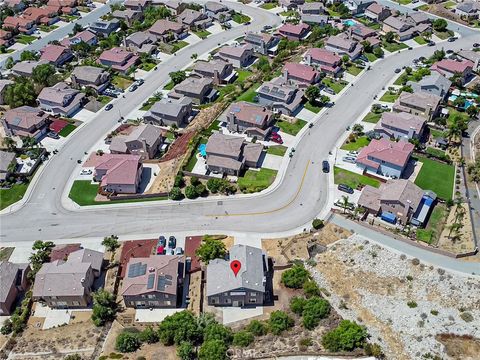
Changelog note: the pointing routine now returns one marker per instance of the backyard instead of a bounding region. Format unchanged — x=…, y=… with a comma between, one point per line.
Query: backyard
x=242, y=75
x=354, y=180
x=335, y=85
x=432, y=231
x=278, y=150
x=359, y=143
x=12, y=195
x=250, y=94
x=291, y=128
x=256, y=180
x=437, y=177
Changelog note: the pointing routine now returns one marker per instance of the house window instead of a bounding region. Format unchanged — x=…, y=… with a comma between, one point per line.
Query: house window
x=252, y=300
x=253, y=294
x=228, y=301
x=151, y=296
x=214, y=300
x=76, y=303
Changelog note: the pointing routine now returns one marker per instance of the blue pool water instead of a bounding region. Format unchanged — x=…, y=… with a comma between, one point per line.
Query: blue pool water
x=467, y=104
x=452, y=98
x=203, y=149
x=349, y=22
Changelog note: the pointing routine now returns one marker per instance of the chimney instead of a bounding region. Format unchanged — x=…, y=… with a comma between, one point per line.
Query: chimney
x=231, y=122
x=144, y=145
x=216, y=77
x=308, y=59
x=285, y=74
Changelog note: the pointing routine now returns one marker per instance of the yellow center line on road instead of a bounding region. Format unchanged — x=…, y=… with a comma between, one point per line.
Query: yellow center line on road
x=274, y=210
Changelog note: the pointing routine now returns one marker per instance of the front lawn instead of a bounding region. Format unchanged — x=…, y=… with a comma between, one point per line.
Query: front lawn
x=390, y=96
x=443, y=34
x=121, y=81
x=449, y=4
x=202, y=34
x=25, y=39
x=67, y=130
x=47, y=28
x=335, y=85
x=313, y=108
x=169, y=86
x=361, y=142
x=371, y=57
x=435, y=224
x=147, y=66
x=288, y=13
x=354, y=180
x=420, y=40
x=393, y=46
x=240, y=18
x=178, y=45
x=372, y=117
x=256, y=180
x=278, y=150
x=354, y=70
x=104, y=99
x=291, y=128
x=436, y=176
x=12, y=195
x=250, y=94
x=269, y=6
x=404, y=2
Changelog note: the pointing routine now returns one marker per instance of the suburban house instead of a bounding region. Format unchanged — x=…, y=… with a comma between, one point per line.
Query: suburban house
x=141, y=42
x=361, y=32
x=451, y=67
x=6, y=38
x=119, y=59
x=280, y=96
x=294, y=32
x=245, y=288
x=166, y=30
x=25, y=68
x=85, y=36
x=262, y=43
x=68, y=284
x=473, y=56
x=13, y=281
x=105, y=27
x=90, y=77
x=313, y=13
x=405, y=27
x=120, y=174
x=249, y=118
x=291, y=4
x=239, y=56
x=175, y=6
x=7, y=160
x=231, y=154
x=435, y=83
x=357, y=7
x=468, y=10
x=301, y=74
x=144, y=140
x=41, y=16
x=168, y=112
x=400, y=126
x=194, y=19
x=60, y=99
x=4, y=84
x=137, y=5
x=377, y=12
x=128, y=15
x=27, y=121
x=326, y=61
x=419, y=103
x=200, y=90
x=15, y=5
x=56, y=54
x=342, y=45
x=217, y=11
x=220, y=71
x=385, y=157
x=19, y=24
x=398, y=200
x=153, y=282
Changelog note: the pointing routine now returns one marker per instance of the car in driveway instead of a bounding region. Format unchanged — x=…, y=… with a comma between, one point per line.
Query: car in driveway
x=325, y=166
x=86, y=172
x=53, y=135
x=431, y=43
x=172, y=242
x=349, y=159
x=345, y=188
x=329, y=90
x=108, y=107
x=162, y=241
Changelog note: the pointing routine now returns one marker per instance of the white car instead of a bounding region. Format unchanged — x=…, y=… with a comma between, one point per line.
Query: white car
x=349, y=159
x=86, y=172
x=353, y=153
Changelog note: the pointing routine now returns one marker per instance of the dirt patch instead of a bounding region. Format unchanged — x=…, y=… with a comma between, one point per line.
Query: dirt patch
x=460, y=347
x=457, y=240
x=179, y=147
x=205, y=117
x=195, y=292
x=166, y=176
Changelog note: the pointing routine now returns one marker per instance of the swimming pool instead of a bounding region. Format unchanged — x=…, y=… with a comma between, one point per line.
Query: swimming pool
x=202, y=148
x=452, y=97
x=349, y=22
x=467, y=104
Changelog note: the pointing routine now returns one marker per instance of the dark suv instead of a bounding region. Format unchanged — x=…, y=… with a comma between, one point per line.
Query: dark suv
x=325, y=166
x=345, y=188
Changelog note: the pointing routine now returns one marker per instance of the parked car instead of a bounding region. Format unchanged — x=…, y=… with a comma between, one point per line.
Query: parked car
x=133, y=88
x=431, y=43
x=452, y=39
x=162, y=241
x=353, y=153
x=345, y=188
x=53, y=135
x=397, y=70
x=86, y=172
x=178, y=251
x=349, y=159
x=329, y=91
x=277, y=140
x=172, y=242
x=476, y=45
x=108, y=107
x=325, y=166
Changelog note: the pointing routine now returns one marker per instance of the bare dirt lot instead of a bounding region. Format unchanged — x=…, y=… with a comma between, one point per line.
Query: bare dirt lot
x=166, y=176
x=461, y=241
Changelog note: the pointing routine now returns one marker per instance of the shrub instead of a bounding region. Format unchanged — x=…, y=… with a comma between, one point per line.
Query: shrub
x=434, y=312
x=297, y=304
x=216, y=331
x=186, y=351
x=314, y=310
x=104, y=307
x=210, y=249
x=317, y=224
x=149, y=335
x=175, y=193
x=7, y=327
x=73, y=357
x=279, y=321
x=310, y=288
x=347, y=336
x=374, y=350
x=412, y=304
x=179, y=327
x=243, y=338
x=190, y=192
x=257, y=328
x=179, y=181
x=305, y=342
x=194, y=181
x=127, y=342
x=200, y=189
x=295, y=277
x=466, y=316
x=213, y=350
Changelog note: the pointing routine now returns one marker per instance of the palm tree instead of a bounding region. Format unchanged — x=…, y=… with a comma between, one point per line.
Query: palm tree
x=9, y=143
x=28, y=142
x=345, y=203
x=455, y=227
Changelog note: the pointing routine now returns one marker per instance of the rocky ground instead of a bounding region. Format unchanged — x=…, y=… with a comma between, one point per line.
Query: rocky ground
x=404, y=304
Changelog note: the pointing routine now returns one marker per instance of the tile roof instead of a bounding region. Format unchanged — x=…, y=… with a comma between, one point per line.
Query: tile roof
x=324, y=55
x=301, y=71
x=250, y=113
x=25, y=116
x=396, y=153
x=402, y=120
x=452, y=66
x=226, y=145
x=53, y=53
x=120, y=170
x=298, y=29
x=170, y=107
x=234, y=51
x=8, y=277
x=164, y=26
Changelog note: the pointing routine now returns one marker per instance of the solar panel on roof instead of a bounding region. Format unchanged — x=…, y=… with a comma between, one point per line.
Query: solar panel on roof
x=163, y=282
x=137, y=269
x=150, y=281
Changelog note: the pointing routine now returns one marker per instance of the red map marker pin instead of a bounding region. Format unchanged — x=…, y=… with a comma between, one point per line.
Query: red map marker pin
x=235, y=265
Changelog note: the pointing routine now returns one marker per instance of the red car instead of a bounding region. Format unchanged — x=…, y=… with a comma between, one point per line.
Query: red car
x=277, y=140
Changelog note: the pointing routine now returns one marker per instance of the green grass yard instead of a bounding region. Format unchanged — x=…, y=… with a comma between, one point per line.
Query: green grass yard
x=435, y=224
x=436, y=133
x=420, y=40
x=335, y=85
x=361, y=142
x=354, y=180
x=67, y=130
x=202, y=34
x=240, y=18
x=147, y=66
x=443, y=34
x=278, y=150
x=372, y=117
x=269, y=6
x=313, y=108
x=389, y=96
x=169, y=86
x=256, y=180
x=436, y=176
x=291, y=128
x=25, y=39
x=180, y=44
x=449, y=4
x=12, y=195
x=5, y=253
x=393, y=46
x=243, y=75
x=371, y=57
x=250, y=94
x=121, y=82
x=404, y=2
x=47, y=28
x=435, y=152
x=354, y=70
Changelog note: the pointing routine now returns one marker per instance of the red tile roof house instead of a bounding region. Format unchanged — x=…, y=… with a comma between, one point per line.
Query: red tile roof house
x=119, y=174
x=343, y=45
x=377, y=12
x=6, y=38
x=301, y=74
x=385, y=157
x=166, y=30
x=294, y=32
x=118, y=59
x=450, y=67
x=238, y=56
x=400, y=126
x=13, y=282
x=252, y=119
x=56, y=54
x=361, y=32
x=60, y=99
x=327, y=61
x=153, y=282
x=62, y=3
x=44, y=16
x=85, y=36
x=135, y=249
x=27, y=121
x=137, y=5
x=24, y=26
x=15, y=5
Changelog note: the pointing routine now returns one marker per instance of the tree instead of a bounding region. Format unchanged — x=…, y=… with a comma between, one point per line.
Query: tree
x=318, y=224
x=28, y=55
x=210, y=249
x=201, y=190
x=297, y=304
x=186, y=351
x=178, y=76
x=7, y=327
x=347, y=336
x=111, y=243
x=243, y=338
x=310, y=288
x=378, y=52
x=28, y=142
x=9, y=143
x=345, y=203
x=438, y=55
x=127, y=342
x=9, y=62
x=213, y=350
x=314, y=310
x=21, y=93
x=279, y=321
x=345, y=59
x=179, y=327
x=190, y=192
x=257, y=328
x=40, y=256
x=358, y=129
x=149, y=335
x=216, y=331
x=263, y=65
x=104, y=307
x=295, y=277
x=389, y=36
x=175, y=194
x=440, y=25
x=312, y=93
x=44, y=74
x=216, y=185
x=73, y=357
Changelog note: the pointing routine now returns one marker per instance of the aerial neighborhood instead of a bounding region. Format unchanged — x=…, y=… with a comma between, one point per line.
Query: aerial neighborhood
x=239, y=179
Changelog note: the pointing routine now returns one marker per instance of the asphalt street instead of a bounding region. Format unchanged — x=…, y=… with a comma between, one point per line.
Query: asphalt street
x=300, y=197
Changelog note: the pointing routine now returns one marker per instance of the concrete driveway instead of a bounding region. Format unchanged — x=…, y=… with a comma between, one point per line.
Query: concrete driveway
x=306, y=115
x=272, y=162
x=234, y=314
x=154, y=315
